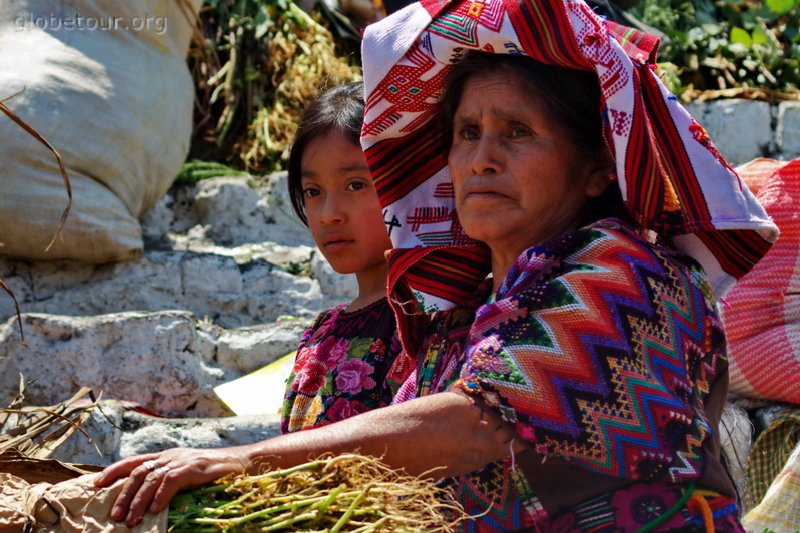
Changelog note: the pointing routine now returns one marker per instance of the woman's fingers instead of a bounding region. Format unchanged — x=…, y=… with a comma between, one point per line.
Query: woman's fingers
x=172, y=482
x=143, y=497
x=121, y=469
x=131, y=488
x=153, y=479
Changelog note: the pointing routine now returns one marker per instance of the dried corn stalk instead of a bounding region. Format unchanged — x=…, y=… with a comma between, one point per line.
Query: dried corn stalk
x=36, y=432
x=258, y=64
x=304, y=62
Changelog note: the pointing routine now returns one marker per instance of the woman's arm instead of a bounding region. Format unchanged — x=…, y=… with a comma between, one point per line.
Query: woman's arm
x=446, y=431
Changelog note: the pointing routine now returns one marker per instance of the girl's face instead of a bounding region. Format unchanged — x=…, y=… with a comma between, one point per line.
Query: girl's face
x=341, y=205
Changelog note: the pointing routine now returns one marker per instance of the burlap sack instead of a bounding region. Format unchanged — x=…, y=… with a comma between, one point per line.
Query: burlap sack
x=106, y=83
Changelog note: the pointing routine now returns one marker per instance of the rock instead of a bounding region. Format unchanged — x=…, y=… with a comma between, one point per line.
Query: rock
x=740, y=129
x=206, y=275
x=157, y=221
x=141, y=357
x=248, y=349
x=208, y=285
x=17, y=278
x=223, y=249
x=280, y=294
x=736, y=437
x=787, y=131
x=158, y=434
x=338, y=287
x=697, y=110
x=99, y=445
x=233, y=211
x=284, y=216
x=179, y=359
x=118, y=431
x=765, y=414
x=227, y=212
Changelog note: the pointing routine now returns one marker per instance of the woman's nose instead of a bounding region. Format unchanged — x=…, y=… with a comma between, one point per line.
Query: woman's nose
x=485, y=159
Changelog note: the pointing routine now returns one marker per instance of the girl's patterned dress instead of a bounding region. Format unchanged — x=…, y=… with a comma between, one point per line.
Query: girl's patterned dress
x=345, y=365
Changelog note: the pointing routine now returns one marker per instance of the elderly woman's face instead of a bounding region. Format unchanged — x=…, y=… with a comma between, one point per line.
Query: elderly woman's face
x=518, y=178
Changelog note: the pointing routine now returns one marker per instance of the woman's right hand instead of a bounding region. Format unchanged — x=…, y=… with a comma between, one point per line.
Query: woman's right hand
x=154, y=478
x=457, y=434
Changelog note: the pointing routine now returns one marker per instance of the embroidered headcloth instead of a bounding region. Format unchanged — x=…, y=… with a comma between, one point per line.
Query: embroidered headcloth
x=673, y=180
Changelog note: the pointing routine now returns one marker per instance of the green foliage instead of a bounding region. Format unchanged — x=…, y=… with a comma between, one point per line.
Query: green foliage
x=727, y=44
x=299, y=268
x=195, y=170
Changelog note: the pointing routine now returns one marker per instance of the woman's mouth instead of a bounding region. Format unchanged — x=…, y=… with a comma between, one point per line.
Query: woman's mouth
x=484, y=195
x=481, y=189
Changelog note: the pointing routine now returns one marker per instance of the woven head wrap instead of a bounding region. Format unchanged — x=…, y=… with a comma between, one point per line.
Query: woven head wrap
x=672, y=178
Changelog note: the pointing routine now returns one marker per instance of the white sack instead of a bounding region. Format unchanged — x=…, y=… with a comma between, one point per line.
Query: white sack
x=106, y=83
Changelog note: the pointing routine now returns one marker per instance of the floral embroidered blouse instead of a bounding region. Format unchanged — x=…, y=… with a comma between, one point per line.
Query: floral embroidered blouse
x=345, y=365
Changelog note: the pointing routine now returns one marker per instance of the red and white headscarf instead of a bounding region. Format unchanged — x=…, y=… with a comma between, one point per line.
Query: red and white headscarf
x=673, y=180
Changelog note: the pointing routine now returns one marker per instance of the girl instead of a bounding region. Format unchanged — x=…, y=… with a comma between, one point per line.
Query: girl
x=343, y=362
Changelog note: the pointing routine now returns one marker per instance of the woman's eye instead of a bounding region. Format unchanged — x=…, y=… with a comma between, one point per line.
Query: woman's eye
x=519, y=131
x=469, y=134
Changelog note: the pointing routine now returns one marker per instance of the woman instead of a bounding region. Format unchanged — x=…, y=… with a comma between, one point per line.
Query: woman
x=585, y=391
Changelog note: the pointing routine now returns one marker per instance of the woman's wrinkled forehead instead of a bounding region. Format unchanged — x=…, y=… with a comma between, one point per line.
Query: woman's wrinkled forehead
x=506, y=74
x=567, y=99
x=521, y=98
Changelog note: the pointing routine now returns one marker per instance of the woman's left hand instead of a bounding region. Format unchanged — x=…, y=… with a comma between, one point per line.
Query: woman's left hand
x=154, y=478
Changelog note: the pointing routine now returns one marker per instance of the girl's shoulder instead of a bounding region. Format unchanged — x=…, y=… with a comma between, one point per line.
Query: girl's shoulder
x=374, y=320
x=327, y=316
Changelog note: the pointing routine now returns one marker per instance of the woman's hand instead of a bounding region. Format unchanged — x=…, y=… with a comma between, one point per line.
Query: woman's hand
x=154, y=478
x=457, y=434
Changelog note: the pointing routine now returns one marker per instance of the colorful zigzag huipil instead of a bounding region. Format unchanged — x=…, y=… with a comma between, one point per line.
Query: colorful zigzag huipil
x=600, y=349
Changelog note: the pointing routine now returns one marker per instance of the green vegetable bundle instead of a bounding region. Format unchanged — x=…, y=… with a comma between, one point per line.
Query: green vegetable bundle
x=348, y=492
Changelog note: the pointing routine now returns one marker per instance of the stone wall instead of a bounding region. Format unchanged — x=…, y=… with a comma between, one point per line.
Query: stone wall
x=227, y=249
x=744, y=129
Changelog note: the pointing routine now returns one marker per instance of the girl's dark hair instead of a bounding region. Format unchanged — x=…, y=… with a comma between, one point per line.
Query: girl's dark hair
x=340, y=109
x=570, y=98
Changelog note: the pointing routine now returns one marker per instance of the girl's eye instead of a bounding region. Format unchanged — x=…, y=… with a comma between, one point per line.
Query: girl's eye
x=356, y=186
x=311, y=192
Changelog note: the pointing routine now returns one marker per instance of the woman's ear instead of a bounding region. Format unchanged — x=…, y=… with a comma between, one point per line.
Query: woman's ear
x=601, y=175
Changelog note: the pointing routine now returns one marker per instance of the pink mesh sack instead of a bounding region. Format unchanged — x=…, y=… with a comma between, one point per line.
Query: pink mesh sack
x=762, y=318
